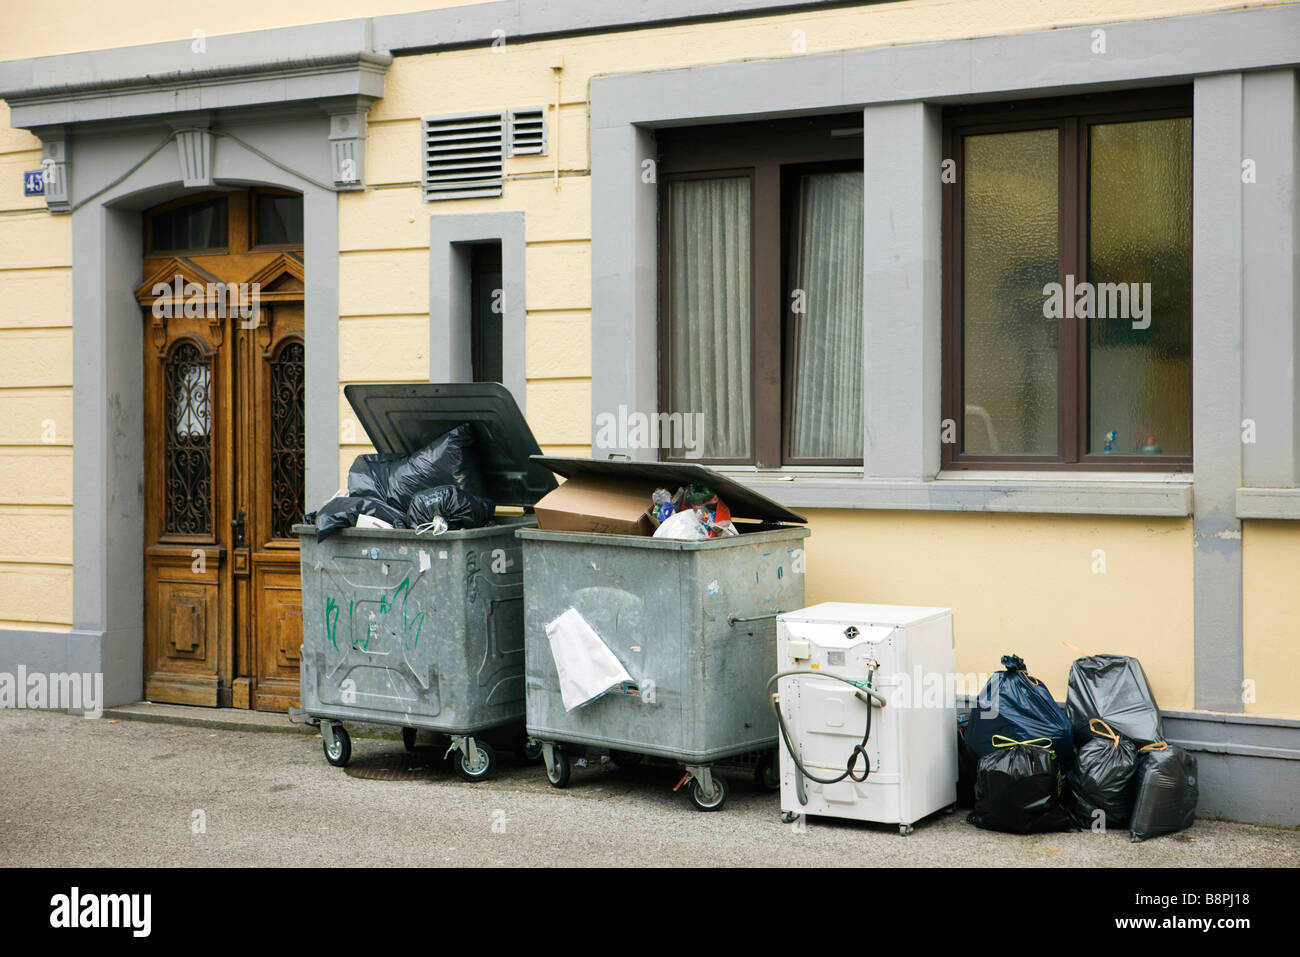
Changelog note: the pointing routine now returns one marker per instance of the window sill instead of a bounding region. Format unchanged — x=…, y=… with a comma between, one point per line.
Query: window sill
x=1082, y=493
x=1278, y=503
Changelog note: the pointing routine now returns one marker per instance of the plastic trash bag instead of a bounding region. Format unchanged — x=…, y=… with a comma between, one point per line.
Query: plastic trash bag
x=1167, y=792
x=967, y=763
x=1113, y=688
x=1018, y=789
x=1102, y=778
x=394, y=478
x=458, y=508
x=342, y=512
x=1017, y=705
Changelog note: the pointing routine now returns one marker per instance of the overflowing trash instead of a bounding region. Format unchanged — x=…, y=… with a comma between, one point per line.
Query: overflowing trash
x=1016, y=705
x=1167, y=792
x=1114, y=689
x=1018, y=788
x=437, y=487
x=693, y=512
x=1099, y=787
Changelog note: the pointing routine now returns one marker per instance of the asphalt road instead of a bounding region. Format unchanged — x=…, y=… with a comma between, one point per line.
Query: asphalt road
x=77, y=792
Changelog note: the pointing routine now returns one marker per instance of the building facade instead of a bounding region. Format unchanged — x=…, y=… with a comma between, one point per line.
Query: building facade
x=828, y=232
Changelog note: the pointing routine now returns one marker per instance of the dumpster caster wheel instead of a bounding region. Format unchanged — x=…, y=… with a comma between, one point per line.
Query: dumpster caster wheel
x=487, y=761
x=767, y=774
x=341, y=752
x=531, y=751
x=408, y=738
x=626, y=759
x=558, y=775
x=788, y=817
x=714, y=801
x=904, y=830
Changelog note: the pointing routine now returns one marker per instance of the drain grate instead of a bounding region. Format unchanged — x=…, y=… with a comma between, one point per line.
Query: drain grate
x=425, y=764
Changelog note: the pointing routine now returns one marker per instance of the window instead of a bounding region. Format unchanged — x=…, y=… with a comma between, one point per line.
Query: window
x=486, y=312
x=761, y=312
x=189, y=226
x=1067, y=262
x=277, y=218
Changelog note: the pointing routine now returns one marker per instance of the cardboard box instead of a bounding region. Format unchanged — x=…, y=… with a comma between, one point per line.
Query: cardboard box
x=598, y=504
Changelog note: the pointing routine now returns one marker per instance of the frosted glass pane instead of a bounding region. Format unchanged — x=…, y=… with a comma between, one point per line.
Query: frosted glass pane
x=1140, y=219
x=709, y=348
x=1010, y=252
x=827, y=406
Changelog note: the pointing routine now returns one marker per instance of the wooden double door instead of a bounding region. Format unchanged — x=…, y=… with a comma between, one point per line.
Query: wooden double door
x=223, y=378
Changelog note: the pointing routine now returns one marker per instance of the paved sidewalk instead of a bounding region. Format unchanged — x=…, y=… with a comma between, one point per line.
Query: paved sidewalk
x=124, y=792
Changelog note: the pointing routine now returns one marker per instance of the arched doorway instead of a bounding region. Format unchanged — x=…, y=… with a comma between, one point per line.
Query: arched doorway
x=223, y=376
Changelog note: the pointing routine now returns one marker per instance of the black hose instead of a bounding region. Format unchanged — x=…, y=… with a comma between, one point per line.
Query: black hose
x=859, y=750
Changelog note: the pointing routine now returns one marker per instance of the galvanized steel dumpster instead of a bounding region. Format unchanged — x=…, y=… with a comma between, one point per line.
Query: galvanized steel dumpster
x=418, y=630
x=693, y=622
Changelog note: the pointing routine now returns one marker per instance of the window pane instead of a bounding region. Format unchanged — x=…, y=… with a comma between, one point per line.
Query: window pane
x=1140, y=232
x=826, y=414
x=197, y=226
x=486, y=322
x=279, y=220
x=287, y=439
x=1010, y=252
x=188, y=441
x=709, y=285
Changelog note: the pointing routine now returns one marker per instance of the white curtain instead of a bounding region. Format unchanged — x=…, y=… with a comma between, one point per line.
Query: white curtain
x=827, y=406
x=709, y=348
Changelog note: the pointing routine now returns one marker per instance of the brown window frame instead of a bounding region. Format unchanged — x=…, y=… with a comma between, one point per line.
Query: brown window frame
x=770, y=154
x=232, y=224
x=255, y=196
x=1071, y=117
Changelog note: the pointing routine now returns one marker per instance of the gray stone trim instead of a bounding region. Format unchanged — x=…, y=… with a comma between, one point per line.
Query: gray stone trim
x=108, y=504
x=1271, y=284
x=328, y=60
x=450, y=236
x=116, y=656
x=1279, y=503
x=1217, y=292
x=523, y=20
x=1053, y=495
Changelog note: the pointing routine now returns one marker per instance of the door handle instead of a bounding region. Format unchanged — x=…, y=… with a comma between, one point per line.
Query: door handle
x=237, y=528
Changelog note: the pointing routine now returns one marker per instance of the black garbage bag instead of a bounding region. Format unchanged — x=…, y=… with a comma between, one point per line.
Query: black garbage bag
x=394, y=478
x=1113, y=688
x=1102, y=779
x=1018, y=789
x=458, y=508
x=342, y=512
x=1166, y=792
x=967, y=763
x=1017, y=705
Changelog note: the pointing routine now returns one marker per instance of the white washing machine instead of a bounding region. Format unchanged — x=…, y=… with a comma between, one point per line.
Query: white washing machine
x=907, y=654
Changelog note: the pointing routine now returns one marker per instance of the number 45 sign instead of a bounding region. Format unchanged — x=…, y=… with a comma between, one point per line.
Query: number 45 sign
x=34, y=182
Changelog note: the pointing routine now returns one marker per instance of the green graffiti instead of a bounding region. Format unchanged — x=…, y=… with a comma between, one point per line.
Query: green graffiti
x=411, y=626
x=332, y=623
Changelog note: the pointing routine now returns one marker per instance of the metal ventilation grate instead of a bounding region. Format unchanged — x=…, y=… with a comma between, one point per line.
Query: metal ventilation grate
x=463, y=155
x=528, y=131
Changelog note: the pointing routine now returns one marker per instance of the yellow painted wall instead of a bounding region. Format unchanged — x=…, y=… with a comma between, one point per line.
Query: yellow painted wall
x=1270, y=558
x=1023, y=584
x=35, y=397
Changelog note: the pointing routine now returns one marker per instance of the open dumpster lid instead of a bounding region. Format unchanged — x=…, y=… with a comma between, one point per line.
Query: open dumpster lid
x=404, y=418
x=743, y=502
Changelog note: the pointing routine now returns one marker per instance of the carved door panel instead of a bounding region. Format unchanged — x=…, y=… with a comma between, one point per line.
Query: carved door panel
x=223, y=376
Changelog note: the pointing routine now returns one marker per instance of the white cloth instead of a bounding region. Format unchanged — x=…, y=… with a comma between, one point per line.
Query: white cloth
x=586, y=666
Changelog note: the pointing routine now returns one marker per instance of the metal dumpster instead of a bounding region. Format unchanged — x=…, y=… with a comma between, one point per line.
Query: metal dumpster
x=693, y=623
x=418, y=630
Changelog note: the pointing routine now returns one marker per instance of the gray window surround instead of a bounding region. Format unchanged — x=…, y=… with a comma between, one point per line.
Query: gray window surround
x=901, y=90
x=450, y=236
